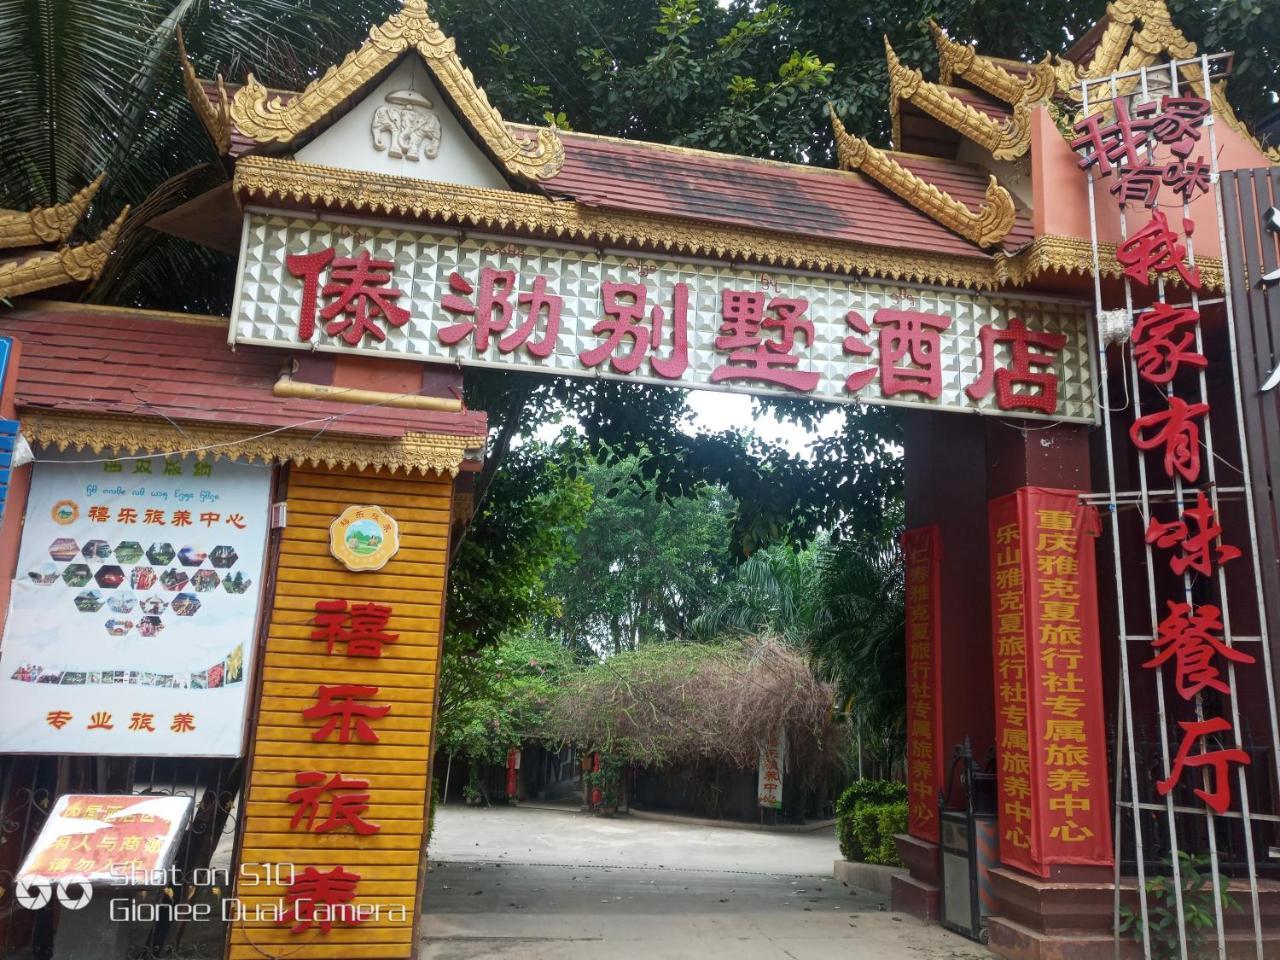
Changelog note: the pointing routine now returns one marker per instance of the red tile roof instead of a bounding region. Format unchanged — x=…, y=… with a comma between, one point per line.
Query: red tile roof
x=806, y=201
x=631, y=175
x=77, y=359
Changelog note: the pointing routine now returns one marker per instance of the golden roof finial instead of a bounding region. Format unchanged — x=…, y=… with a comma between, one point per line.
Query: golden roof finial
x=214, y=117
x=33, y=228
x=986, y=227
x=49, y=269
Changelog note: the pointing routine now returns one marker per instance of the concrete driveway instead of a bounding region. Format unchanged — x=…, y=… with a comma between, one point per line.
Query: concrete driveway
x=542, y=884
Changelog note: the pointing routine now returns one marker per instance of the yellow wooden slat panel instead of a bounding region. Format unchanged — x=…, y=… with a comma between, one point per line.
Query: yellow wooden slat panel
x=416, y=670
x=274, y=686
x=295, y=697
x=420, y=579
x=392, y=575
x=291, y=717
x=302, y=733
x=414, y=651
x=394, y=835
x=420, y=487
x=317, y=589
x=384, y=487
x=381, y=809
x=296, y=610
x=408, y=688
x=283, y=851
x=278, y=779
x=361, y=768
x=295, y=666
x=402, y=801
x=354, y=755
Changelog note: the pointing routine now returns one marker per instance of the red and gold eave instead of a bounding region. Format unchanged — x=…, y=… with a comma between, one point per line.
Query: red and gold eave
x=136, y=381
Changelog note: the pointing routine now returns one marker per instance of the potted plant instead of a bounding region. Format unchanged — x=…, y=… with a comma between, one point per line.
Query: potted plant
x=605, y=784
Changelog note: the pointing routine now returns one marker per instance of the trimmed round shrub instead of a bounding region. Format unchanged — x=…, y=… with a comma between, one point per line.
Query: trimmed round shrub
x=862, y=794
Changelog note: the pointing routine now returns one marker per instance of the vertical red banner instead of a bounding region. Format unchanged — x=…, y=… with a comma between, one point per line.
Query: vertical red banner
x=1051, y=742
x=921, y=551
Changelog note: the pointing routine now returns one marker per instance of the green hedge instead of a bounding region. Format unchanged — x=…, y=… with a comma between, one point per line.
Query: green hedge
x=861, y=837
x=873, y=826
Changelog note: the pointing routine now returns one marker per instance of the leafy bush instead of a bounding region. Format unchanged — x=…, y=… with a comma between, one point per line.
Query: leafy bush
x=853, y=841
x=870, y=791
x=873, y=826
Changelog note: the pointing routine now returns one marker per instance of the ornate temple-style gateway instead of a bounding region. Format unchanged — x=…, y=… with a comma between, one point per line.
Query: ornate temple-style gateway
x=233, y=540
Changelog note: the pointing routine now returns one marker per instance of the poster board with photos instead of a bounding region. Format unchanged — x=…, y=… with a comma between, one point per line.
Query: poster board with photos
x=133, y=613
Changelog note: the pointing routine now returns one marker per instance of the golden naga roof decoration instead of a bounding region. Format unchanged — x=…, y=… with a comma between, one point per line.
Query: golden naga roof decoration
x=46, y=270
x=960, y=60
x=267, y=119
x=214, y=117
x=426, y=453
x=985, y=227
x=34, y=228
x=1005, y=140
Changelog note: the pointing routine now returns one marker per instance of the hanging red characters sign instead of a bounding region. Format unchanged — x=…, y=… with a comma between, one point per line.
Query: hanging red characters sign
x=921, y=549
x=1051, y=745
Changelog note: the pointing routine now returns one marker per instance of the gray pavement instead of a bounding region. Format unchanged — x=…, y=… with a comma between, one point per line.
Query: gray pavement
x=539, y=884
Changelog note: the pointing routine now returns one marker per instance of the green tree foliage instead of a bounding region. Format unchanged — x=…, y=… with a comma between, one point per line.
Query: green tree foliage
x=640, y=566
x=524, y=528
x=493, y=698
x=842, y=603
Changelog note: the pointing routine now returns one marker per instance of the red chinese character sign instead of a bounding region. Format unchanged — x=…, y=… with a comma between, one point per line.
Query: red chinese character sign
x=1051, y=743
x=132, y=626
x=409, y=292
x=1144, y=149
x=921, y=551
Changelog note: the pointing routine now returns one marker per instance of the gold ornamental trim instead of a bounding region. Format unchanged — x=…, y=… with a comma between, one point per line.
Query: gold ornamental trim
x=44, y=271
x=425, y=453
x=1005, y=140
x=214, y=117
x=985, y=227
x=268, y=119
x=32, y=228
x=1074, y=256
x=962, y=61
x=267, y=179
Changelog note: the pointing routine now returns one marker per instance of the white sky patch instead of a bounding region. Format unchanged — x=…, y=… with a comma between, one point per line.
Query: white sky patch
x=713, y=412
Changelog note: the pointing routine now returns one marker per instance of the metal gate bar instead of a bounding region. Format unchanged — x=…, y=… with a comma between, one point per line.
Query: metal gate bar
x=1126, y=753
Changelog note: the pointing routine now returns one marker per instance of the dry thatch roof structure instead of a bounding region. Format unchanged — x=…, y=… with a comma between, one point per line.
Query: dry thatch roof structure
x=688, y=705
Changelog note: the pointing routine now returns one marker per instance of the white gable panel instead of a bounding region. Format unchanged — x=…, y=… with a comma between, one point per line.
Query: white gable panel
x=383, y=133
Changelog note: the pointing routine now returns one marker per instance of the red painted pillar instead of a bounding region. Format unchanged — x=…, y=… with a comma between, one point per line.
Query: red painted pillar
x=513, y=766
x=946, y=489
x=1052, y=887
